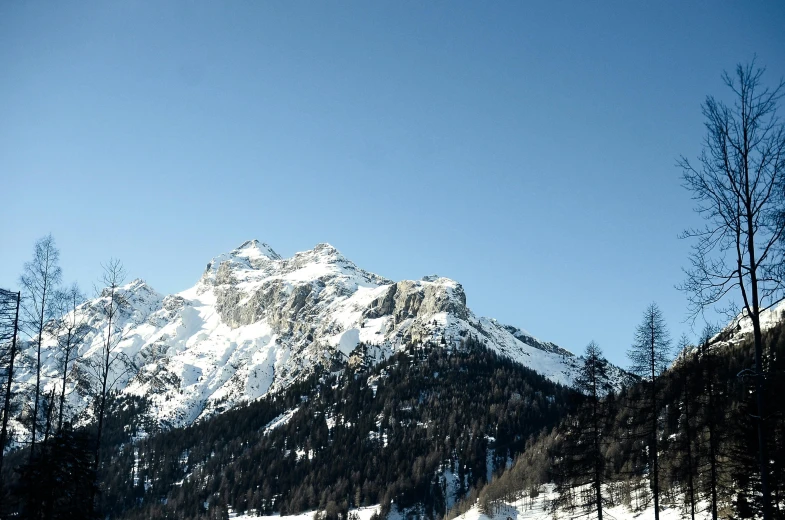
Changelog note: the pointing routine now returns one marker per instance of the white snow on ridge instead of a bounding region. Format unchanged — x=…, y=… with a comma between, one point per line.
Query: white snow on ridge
x=256, y=322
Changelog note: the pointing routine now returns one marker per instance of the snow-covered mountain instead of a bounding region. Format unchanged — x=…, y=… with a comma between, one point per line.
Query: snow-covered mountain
x=256, y=322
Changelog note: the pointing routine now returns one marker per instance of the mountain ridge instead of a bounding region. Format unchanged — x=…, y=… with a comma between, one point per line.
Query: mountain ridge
x=255, y=322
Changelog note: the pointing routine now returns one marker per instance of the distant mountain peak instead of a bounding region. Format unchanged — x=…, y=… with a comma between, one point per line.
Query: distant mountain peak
x=254, y=249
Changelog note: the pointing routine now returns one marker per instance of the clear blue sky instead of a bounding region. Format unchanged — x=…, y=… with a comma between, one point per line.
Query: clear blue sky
x=526, y=149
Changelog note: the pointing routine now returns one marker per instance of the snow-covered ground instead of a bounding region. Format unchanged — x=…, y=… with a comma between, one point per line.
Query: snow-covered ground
x=539, y=508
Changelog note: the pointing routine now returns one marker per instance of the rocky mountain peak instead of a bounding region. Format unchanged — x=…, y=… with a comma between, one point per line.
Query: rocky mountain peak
x=257, y=322
x=254, y=249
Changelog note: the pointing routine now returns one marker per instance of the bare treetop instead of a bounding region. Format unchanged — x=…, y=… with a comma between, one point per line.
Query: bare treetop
x=39, y=280
x=739, y=190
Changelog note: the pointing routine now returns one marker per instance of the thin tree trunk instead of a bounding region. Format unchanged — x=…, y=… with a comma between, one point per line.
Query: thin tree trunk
x=38, y=368
x=597, y=460
x=48, y=510
x=688, y=431
x=49, y=416
x=655, y=468
x=62, y=389
x=7, y=403
x=755, y=314
x=712, y=443
x=763, y=452
x=104, y=379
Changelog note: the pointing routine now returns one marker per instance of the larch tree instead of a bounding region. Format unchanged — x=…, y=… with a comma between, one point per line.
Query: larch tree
x=39, y=280
x=738, y=185
x=649, y=356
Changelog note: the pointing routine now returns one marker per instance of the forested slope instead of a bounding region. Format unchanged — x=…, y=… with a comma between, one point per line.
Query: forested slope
x=420, y=429
x=707, y=440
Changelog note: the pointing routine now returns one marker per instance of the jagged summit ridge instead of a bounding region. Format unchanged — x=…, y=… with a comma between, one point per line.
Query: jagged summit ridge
x=255, y=249
x=255, y=322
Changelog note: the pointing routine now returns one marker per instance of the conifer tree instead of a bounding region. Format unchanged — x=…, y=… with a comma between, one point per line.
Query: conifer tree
x=649, y=357
x=583, y=460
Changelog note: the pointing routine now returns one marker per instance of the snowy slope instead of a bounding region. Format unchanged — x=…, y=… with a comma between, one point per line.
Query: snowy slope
x=255, y=322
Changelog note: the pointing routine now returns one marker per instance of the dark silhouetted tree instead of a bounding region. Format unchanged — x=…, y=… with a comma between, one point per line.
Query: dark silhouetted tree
x=9, y=331
x=649, y=357
x=583, y=459
x=739, y=190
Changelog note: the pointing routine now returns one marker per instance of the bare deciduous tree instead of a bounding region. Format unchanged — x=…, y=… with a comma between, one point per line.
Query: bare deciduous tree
x=739, y=190
x=39, y=281
x=70, y=330
x=101, y=371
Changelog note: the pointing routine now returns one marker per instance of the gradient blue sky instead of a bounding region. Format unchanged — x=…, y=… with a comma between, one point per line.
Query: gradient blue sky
x=525, y=149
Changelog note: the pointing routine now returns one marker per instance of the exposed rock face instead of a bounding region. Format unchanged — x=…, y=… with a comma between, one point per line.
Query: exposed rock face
x=255, y=322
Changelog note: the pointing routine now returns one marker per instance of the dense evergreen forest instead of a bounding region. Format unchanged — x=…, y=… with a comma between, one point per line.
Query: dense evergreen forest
x=368, y=435
x=707, y=441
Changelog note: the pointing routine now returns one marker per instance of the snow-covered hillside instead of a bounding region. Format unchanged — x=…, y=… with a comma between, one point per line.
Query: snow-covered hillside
x=255, y=322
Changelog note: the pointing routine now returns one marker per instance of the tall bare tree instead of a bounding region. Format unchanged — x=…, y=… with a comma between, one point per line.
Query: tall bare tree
x=39, y=280
x=103, y=370
x=738, y=185
x=649, y=356
x=70, y=329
